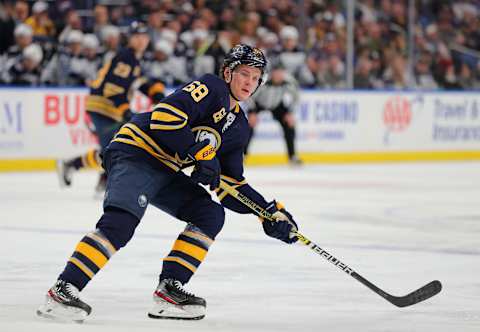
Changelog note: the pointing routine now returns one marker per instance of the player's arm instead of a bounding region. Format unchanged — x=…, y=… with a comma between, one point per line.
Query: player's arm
x=153, y=89
x=232, y=173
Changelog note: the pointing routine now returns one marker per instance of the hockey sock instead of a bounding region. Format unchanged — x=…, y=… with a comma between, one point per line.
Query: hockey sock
x=114, y=229
x=90, y=255
x=90, y=160
x=188, y=252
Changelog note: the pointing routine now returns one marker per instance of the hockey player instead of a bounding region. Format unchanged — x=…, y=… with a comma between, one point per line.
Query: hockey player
x=108, y=104
x=200, y=124
x=279, y=95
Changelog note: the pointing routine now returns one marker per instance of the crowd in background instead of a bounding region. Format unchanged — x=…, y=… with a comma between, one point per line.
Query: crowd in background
x=66, y=42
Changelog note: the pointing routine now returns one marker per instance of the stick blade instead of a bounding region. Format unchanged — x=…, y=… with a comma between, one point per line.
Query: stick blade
x=421, y=294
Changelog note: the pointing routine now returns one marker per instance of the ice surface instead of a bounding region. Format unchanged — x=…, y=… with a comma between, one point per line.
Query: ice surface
x=398, y=225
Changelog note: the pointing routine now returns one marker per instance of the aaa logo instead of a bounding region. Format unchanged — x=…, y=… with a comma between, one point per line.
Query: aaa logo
x=397, y=113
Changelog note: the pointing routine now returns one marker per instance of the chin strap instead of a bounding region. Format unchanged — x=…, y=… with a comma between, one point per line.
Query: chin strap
x=231, y=93
x=229, y=88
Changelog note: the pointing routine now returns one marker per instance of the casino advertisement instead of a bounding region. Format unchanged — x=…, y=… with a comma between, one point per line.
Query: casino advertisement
x=352, y=121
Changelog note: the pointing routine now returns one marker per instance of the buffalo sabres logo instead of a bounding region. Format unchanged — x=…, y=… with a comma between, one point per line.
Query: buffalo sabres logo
x=202, y=133
x=142, y=200
x=230, y=118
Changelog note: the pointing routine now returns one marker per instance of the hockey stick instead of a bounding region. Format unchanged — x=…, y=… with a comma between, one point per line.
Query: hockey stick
x=419, y=295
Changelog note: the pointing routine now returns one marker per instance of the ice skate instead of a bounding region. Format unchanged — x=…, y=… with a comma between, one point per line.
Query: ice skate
x=171, y=301
x=63, y=304
x=295, y=161
x=64, y=172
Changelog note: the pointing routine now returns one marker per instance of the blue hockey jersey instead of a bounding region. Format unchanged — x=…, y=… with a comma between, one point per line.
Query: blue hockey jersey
x=195, y=112
x=111, y=91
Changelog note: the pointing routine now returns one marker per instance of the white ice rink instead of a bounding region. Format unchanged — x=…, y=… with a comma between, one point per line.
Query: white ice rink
x=398, y=225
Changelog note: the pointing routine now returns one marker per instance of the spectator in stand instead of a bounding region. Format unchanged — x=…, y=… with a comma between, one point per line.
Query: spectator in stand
x=91, y=60
x=290, y=54
x=21, y=12
x=362, y=79
x=23, y=37
x=73, y=22
x=395, y=74
x=202, y=63
x=155, y=24
x=424, y=79
x=41, y=24
x=164, y=66
x=248, y=29
x=307, y=73
x=267, y=41
x=227, y=19
x=101, y=20
x=448, y=30
x=111, y=42
x=66, y=67
x=218, y=49
x=25, y=70
x=7, y=27
x=465, y=76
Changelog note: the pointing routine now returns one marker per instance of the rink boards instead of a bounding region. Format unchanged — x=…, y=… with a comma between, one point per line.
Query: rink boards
x=42, y=124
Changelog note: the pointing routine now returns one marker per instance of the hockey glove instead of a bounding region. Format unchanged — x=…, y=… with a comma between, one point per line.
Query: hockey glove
x=127, y=115
x=207, y=166
x=283, y=227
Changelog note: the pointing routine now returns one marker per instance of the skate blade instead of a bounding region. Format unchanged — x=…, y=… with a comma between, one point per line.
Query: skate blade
x=165, y=310
x=175, y=318
x=59, y=319
x=58, y=312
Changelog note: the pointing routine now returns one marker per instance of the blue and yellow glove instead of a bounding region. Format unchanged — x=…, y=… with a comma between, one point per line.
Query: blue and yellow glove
x=207, y=166
x=283, y=227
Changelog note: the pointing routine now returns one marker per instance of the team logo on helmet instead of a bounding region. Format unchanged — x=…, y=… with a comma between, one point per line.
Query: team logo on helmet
x=247, y=55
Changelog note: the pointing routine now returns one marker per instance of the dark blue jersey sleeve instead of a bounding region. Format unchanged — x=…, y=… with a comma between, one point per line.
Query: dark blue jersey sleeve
x=232, y=174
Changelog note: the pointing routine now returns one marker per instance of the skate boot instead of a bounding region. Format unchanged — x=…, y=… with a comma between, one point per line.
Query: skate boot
x=64, y=172
x=63, y=304
x=173, y=302
x=295, y=161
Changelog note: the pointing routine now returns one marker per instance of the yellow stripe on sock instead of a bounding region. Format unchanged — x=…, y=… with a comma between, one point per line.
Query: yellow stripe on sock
x=190, y=249
x=82, y=267
x=103, y=241
x=181, y=262
x=91, y=159
x=92, y=254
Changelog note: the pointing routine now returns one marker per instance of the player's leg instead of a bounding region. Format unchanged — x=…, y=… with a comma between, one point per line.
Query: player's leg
x=123, y=210
x=66, y=168
x=191, y=203
x=104, y=128
x=287, y=122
